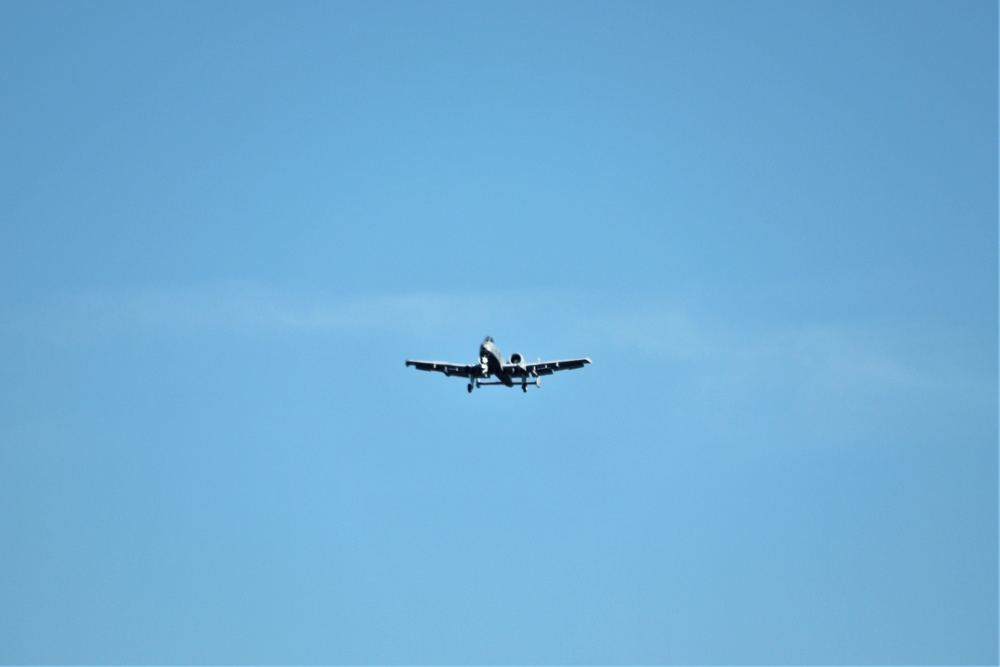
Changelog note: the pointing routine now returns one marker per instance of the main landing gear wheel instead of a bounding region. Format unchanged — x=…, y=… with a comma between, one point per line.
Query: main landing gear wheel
x=469, y=388
x=524, y=388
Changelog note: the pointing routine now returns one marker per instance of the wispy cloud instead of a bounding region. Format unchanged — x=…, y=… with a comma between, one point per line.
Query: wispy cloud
x=806, y=364
x=821, y=358
x=237, y=308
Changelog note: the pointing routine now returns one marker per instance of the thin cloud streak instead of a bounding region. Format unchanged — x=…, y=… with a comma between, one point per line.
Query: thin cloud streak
x=241, y=310
x=815, y=361
x=817, y=357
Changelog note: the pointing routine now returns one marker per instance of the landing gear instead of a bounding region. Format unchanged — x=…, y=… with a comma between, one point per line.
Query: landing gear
x=469, y=387
x=524, y=387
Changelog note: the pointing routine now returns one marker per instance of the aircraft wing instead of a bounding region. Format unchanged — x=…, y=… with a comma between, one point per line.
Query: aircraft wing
x=544, y=367
x=458, y=370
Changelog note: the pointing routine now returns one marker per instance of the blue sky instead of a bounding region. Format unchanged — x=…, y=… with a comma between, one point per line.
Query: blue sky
x=772, y=226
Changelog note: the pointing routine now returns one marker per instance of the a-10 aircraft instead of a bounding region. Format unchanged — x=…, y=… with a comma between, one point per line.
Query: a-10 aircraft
x=514, y=371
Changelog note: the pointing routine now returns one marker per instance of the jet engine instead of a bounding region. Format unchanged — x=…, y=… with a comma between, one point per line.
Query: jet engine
x=516, y=358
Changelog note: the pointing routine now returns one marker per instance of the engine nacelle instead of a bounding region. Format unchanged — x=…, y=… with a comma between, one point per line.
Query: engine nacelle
x=516, y=358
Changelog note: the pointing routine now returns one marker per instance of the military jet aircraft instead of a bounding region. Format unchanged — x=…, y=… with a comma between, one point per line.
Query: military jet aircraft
x=514, y=371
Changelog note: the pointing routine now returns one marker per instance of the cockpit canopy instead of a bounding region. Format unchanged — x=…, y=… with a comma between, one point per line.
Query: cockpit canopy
x=488, y=339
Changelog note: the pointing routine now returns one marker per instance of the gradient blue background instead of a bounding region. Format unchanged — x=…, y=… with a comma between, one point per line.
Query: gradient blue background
x=773, y=226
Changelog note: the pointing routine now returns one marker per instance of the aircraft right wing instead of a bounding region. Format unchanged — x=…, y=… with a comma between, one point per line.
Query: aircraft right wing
x=545, y=367
x=457, y=370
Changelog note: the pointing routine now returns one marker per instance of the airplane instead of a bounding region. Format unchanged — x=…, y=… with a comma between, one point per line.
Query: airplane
x=491, y=363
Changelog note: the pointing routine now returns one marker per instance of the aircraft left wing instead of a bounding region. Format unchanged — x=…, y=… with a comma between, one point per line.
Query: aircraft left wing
x=544, y=367
x=458, y=370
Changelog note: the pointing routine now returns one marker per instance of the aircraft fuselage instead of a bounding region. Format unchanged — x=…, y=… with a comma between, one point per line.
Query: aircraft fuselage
x=492, y=360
